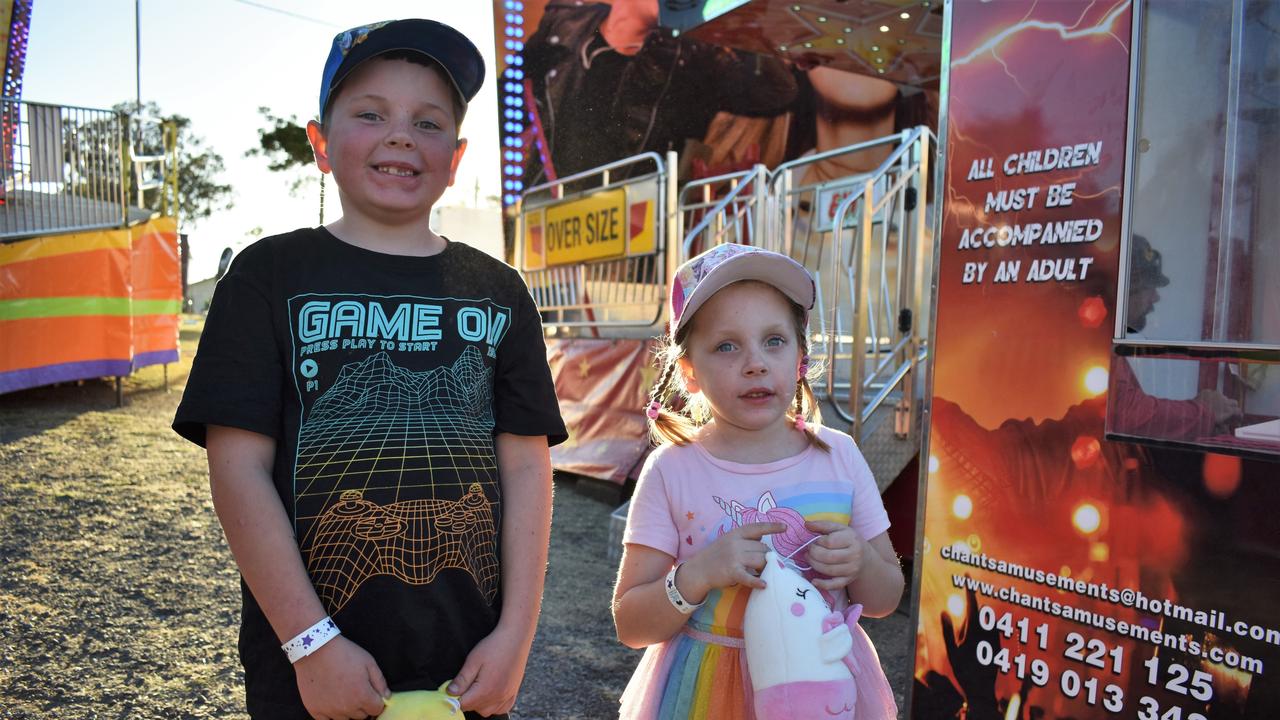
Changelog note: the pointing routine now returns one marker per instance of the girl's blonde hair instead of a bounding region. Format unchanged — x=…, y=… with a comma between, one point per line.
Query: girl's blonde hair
x=681, y=426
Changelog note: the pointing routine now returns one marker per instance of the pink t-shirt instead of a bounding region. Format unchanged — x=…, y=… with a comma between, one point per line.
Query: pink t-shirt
x=686, y=499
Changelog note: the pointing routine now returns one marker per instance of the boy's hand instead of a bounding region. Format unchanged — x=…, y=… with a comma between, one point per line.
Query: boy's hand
x=341, y=681
x=838, y=554
x=735, y=558
x=490, y=678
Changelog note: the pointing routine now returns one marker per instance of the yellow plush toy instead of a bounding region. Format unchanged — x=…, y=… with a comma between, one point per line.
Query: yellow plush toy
x=422, y=705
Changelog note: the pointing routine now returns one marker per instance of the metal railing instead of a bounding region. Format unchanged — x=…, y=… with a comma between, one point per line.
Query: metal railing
x=153, y=157
x=70, y=169
x=625, y=291
x=865, y=236
x=61, y=167
x=802, y=214
x=872, y=340
x=723, y=209
x=879, y=233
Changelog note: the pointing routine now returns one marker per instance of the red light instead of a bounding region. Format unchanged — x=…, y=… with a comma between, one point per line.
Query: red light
x=1221, y=474
x=1092, y=312
x=1085, y=451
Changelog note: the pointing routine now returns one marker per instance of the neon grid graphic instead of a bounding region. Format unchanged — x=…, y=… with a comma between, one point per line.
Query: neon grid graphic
x=386, y=432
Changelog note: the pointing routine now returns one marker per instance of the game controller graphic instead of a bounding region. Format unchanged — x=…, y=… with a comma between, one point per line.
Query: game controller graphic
x=413, y=540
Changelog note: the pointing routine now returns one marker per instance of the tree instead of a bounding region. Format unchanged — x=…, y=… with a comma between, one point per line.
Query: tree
x=283, y=142
x=199, y=192
x=285, y=145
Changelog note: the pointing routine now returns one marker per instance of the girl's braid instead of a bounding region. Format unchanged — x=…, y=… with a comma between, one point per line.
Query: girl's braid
x=660, y=389
x=801, y=378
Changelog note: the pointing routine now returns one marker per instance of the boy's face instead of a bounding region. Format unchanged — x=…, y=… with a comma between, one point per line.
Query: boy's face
x=392, y=141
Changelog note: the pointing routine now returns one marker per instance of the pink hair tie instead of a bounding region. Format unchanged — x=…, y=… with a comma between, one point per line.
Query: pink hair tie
x=800, y=423
x=652, y=412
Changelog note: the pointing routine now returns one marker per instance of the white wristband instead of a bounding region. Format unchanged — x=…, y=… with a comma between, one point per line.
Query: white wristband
x=310, y=640
x=673, y=594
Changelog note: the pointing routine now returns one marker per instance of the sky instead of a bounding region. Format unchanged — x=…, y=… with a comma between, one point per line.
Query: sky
x=216, y=62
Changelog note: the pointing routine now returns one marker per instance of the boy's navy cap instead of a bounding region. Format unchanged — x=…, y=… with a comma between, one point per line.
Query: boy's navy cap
x=448, y=47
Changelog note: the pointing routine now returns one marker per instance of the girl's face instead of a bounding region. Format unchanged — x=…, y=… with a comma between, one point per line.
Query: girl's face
x=742, y=354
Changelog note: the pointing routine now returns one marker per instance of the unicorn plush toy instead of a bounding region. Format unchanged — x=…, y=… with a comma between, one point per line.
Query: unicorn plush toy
x=800, y=653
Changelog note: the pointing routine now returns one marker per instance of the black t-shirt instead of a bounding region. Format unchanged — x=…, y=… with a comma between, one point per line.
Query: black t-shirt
x=384, y=380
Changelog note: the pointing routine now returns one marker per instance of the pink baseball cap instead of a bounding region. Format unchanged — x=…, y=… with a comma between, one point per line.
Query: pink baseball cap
x=701, y=276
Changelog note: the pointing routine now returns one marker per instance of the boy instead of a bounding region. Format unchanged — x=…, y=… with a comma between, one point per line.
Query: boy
x=377, y=408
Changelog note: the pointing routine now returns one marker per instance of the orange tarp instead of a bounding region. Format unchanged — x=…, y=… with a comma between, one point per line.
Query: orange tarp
x=90, y=304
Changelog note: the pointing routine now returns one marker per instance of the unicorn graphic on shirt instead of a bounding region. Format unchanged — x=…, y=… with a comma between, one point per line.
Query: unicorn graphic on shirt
x=791, y=543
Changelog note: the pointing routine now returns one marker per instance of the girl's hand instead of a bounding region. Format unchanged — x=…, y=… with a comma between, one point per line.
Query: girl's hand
x=735, y=558
x=838, y=554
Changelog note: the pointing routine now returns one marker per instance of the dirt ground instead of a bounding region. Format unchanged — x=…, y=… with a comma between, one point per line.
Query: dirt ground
x=119, y=598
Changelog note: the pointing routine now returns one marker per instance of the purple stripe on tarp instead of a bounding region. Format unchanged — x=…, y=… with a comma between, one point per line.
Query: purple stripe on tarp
x=62, y=372
x=155, y=357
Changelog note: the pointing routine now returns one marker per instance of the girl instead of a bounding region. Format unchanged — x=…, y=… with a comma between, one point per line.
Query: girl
x=749, y=468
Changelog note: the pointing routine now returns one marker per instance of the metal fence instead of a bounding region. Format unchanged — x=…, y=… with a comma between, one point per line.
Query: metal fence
x=723, y=209
x=61, y=167
x=864, y=234
x=152, y=154
x=880, y=238
x=69, y=169
x=622, y=291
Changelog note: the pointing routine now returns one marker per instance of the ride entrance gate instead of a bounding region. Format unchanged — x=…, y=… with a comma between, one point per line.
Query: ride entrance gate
x=593, y=246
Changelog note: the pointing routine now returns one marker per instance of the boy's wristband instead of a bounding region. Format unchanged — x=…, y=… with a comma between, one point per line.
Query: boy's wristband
x=310, y=640
x=673, y=594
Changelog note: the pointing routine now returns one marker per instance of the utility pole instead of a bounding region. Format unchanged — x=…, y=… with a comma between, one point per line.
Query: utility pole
x=137, y=40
